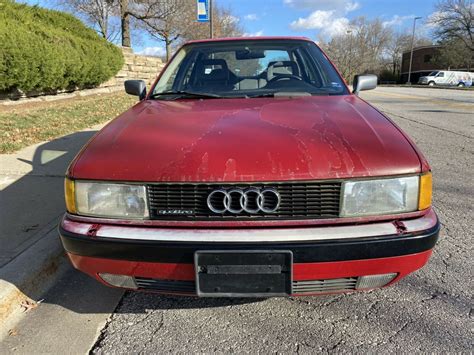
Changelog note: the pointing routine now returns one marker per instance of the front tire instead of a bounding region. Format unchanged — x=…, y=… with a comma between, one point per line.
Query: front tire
x=431, y=83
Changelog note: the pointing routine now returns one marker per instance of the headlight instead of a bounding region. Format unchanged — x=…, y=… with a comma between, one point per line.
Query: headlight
x=109, y=200
x=382, y=196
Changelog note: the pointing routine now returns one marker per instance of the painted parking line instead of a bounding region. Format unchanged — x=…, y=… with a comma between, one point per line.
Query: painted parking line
x=426, y=99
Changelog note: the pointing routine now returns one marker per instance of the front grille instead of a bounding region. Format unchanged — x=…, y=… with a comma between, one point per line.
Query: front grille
x=322, y=286
x=299, y=287
x=299, y=200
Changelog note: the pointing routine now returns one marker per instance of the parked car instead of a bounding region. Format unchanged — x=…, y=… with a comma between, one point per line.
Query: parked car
x=249, y=169
x=447, y=78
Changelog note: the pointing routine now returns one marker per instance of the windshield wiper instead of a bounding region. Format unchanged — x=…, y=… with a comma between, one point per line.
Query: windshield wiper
x=285, y=94
x=267, y=94
x=189, y=94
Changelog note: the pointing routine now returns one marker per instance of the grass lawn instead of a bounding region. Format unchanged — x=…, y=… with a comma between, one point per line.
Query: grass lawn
x=31, y=123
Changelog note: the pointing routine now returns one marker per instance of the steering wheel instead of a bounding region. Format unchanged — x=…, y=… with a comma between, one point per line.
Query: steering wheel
x=284, y=76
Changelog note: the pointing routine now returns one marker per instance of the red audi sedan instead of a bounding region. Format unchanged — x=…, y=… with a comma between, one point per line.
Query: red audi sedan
x=249, y=169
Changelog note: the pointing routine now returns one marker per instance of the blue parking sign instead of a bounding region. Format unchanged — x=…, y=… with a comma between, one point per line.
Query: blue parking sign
x=202, y=10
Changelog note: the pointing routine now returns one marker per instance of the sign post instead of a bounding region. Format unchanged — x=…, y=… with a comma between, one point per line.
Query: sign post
x=204, y=13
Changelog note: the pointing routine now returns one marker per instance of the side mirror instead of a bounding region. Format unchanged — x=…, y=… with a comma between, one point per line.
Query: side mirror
x=364, y=82
x=136, y=88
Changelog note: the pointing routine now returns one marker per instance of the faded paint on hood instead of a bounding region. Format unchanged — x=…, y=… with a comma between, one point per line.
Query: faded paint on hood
x=266, y=139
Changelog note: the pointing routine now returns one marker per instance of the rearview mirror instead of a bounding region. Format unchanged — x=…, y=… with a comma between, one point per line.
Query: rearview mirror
x=249, y=54
x=136, y=88
x=364, y=82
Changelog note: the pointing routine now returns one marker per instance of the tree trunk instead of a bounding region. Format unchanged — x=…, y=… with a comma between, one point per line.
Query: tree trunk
x=125, y=21
x=168, y=49
x=103, y=29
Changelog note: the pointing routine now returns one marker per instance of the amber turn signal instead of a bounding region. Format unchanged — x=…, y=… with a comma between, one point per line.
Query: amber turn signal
x=426, y=187
x=70, y=195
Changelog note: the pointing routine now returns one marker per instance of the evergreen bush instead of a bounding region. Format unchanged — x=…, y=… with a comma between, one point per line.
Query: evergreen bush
x=47, y=50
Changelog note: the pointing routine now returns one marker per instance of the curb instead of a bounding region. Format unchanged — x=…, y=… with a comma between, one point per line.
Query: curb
x=426, y=87
x=27, y=276
x=8, y=102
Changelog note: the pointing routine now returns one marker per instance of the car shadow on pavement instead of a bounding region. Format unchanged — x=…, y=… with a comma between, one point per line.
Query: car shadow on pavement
x=31, y=208
x=140, y=302
x=35, y=202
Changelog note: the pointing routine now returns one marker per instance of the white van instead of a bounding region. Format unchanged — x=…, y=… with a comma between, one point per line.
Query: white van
x=446, y=77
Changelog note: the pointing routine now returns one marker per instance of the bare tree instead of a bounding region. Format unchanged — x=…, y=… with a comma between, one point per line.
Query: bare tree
x=125, y=23
x=173, y=26
x=143, y=11
x=170, y=21
x=97, y=13
x=179, y=24
x=454, y=20
x=362, y=49
x=399, y=43
x=226, y=23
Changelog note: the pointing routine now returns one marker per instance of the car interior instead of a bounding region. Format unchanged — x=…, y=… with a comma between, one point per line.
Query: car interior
x=214, y=75
x=234, y=72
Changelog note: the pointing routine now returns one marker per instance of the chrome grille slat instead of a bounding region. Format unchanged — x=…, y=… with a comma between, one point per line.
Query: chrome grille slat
x=299, y=200
x=326, y=282
x=322, y=286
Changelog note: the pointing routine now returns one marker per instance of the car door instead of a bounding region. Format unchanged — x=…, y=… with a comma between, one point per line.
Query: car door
x=440, y=78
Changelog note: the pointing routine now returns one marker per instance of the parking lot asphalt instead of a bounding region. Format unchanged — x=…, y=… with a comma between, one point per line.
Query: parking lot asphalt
x=431, y=310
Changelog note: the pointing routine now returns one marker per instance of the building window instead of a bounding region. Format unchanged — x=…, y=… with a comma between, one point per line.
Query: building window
x=427, y=58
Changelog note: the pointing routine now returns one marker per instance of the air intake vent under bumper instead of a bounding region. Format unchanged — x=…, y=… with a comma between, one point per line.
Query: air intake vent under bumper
x=299, y=287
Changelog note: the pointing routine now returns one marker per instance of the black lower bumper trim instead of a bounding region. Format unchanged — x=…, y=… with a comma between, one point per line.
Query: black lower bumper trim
x=306, y=252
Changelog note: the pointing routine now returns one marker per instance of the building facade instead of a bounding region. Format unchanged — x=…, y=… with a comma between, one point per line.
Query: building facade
x=422, y=63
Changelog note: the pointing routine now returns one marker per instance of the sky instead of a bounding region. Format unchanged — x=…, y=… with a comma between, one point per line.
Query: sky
x=309, y=18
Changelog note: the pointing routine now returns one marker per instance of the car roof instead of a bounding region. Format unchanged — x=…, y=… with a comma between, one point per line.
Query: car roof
x=262, y=38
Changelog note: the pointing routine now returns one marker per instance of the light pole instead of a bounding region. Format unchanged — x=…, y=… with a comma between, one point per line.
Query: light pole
x=349, y=32
x=210, y=20
x=411, y=53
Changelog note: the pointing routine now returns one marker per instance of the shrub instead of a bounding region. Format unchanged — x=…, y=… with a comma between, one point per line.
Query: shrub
x=47, y=50
x=388, y=76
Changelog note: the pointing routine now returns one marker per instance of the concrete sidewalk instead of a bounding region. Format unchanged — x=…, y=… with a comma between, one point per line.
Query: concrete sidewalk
x=31, y=204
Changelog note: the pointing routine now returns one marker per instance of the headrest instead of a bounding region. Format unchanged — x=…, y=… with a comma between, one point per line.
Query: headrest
x=209, y=62
x=282, y=67
x=218, y=74
x=212, y=70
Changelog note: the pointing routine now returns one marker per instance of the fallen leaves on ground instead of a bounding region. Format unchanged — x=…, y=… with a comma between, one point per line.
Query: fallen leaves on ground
x=28, y=305
x=25, y=126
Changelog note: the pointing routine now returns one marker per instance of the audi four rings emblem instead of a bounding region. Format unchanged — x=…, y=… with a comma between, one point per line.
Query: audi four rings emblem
x=251, y=200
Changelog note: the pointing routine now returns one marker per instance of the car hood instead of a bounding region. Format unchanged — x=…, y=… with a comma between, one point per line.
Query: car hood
x=263, y=139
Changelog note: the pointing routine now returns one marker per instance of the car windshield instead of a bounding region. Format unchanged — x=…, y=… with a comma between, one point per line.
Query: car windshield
x=433, y=73
x=249, y=68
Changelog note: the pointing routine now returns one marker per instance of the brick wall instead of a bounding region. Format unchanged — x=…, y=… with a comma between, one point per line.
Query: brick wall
x=422, y=59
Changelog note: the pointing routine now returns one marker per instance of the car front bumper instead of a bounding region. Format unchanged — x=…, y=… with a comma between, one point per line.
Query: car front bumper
x=326, y=259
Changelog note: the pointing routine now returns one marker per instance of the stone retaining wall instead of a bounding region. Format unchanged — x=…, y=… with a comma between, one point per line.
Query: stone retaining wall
x=135, y=67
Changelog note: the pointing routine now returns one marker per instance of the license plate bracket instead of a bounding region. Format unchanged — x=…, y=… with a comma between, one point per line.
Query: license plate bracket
x=249, y=273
